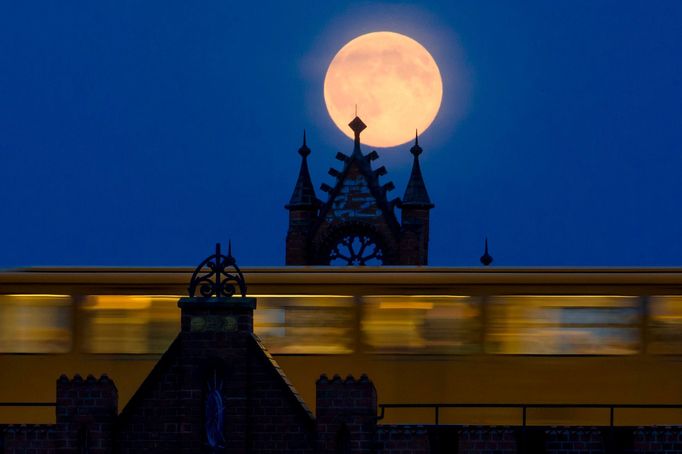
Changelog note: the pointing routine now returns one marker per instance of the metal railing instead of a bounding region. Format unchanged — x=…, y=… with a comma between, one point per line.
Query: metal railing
x=524, y=408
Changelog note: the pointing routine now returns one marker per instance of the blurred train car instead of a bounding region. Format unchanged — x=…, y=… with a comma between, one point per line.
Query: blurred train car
x=440, y=335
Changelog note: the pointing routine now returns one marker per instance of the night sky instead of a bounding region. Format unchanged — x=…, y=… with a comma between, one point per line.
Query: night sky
x=140, y=133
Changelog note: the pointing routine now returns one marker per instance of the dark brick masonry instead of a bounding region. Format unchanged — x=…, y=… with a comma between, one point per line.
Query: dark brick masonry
x=259, y=412
x=358, y=207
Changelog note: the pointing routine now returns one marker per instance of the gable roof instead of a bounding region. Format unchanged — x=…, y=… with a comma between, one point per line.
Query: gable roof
x=173, y=352
x=357, y=160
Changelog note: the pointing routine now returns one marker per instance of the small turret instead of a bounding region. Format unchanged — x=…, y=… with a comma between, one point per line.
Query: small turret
x=415, y=206
x=86, y=411
x=346, y=414
x=304, y=192
x=302, y=207
x=415, y=193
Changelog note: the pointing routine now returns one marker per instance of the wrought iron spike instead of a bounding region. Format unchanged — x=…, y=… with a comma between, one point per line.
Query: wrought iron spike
x=325, y=187
x=389, y=186
x=372, y=156
x=335, y=173
x=213, y=278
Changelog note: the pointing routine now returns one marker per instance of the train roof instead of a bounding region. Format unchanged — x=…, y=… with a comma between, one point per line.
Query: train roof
x=422, y=276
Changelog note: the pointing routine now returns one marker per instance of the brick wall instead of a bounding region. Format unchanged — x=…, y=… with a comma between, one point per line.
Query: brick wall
x=35, y=439
x=393, y=439
x=570, y=440
x=86, y=412
x=301, y=221
x=414, y=236
x=486, y=440
x=346, y=413
x=280, y=420
x=663, y=440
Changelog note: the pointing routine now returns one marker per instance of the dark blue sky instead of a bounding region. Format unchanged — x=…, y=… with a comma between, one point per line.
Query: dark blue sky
x=140, y=133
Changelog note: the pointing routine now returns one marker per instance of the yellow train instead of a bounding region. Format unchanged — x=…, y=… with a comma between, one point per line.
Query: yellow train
x=424, y=335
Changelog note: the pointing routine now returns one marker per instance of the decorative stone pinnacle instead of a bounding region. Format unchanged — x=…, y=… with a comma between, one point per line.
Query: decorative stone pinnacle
x=416, y=150
x=304, y=150
x=486, y=259
x=357, y=126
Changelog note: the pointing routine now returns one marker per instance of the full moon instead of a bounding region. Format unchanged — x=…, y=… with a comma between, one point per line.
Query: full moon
x=394, y=82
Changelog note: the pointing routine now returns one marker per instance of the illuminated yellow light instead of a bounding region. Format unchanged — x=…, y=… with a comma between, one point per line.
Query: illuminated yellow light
x=406, y=305
x=299, y=296
x=126, y=302
x=35, y=295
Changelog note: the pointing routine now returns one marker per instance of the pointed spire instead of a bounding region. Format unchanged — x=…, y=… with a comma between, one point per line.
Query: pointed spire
x=229, y=247
x=416, y=194
x=304, y=192
x=357, y=126
x=304, y=150
x=486, y=259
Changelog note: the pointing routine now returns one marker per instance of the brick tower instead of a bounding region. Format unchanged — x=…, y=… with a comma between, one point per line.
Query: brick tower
x=303, y=208
x=357, y=224
x=416, y=207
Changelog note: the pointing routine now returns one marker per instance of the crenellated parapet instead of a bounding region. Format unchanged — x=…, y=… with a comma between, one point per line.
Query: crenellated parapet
x=86, y=412
x=25, y=438
x=398, y=439
x=346, y=414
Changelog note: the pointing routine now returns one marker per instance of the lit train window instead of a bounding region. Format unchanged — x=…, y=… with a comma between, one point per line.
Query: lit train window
x=130, y=323
x=563, y=325
x=35, y=323
x=665, y=325
x=421, y=324
x=321, y=324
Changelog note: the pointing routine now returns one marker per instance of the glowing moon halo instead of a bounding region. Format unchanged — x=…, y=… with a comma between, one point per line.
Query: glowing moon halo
x=393, y=80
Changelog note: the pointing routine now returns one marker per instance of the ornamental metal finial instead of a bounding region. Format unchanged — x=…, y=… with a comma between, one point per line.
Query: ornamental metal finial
x=213, y=277
x=357, y=126
x=486, y=258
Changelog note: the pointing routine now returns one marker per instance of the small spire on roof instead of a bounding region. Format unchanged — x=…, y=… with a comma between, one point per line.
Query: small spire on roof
x=415, y=193
x=416, y=150
x=486, y=259
x=304, y=150
x=304, y=192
